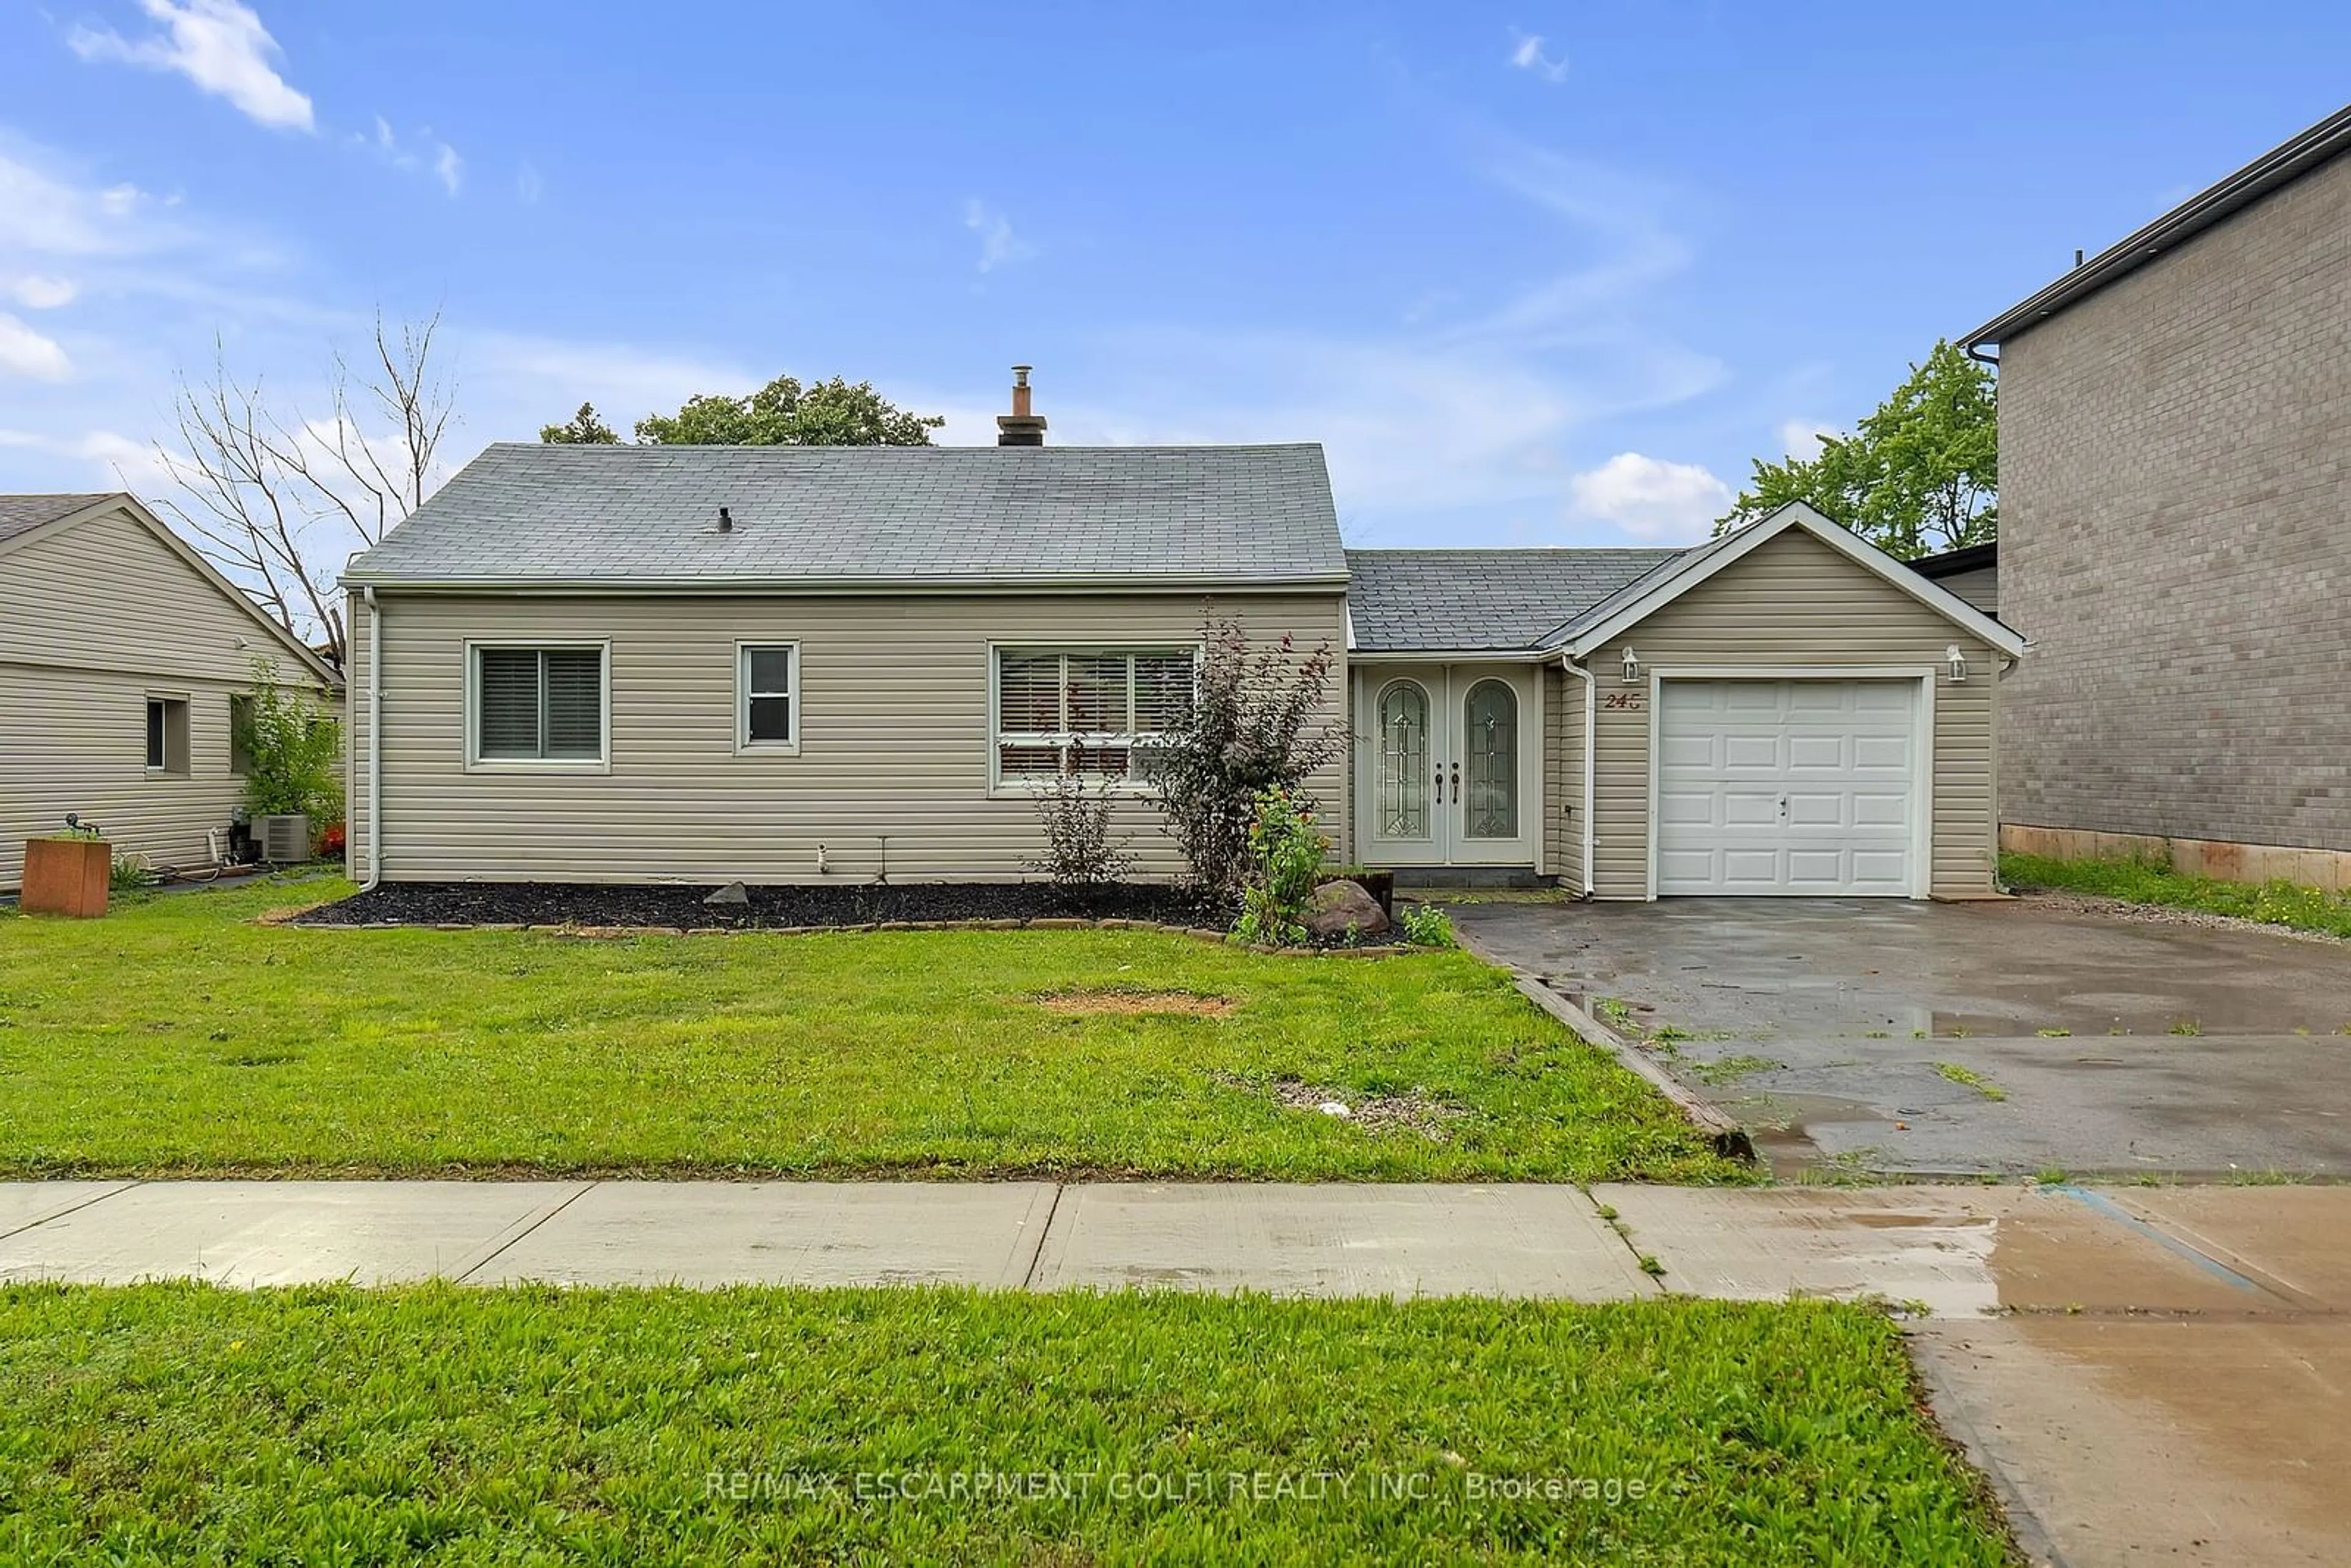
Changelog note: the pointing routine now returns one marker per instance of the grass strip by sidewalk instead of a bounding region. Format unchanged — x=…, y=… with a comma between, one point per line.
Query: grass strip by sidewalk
x=2281, y=903
x=177, y=1036
x=184, y=1423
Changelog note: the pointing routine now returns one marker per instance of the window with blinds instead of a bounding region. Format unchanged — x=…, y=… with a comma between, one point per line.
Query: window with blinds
x=538, y=704
x=1096, y=713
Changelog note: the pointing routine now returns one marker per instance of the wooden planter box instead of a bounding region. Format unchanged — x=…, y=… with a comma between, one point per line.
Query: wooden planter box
x=67, y=876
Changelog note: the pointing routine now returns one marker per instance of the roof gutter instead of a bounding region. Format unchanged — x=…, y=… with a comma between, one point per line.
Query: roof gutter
x=2280, y=165
x=1064, y=583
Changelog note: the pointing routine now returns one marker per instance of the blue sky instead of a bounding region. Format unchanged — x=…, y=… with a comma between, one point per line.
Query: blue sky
x=1535, y=275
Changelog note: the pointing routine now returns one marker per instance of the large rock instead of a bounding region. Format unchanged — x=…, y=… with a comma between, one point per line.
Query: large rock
x=1338, y=909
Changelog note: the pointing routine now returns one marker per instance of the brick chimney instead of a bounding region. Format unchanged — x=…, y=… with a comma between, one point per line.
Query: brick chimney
x=1020, y=427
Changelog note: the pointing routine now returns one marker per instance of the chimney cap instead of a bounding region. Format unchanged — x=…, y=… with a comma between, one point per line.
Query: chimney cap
x=1024, y=426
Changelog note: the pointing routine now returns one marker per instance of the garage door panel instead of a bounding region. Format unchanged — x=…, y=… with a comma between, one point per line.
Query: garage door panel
x=1883, y=753
x=1875, y=810
x=1690, y=751
x=1688, y=805
x=1830, y=752
x=1750, y=868
x=1806, y=810
x=1787, y=786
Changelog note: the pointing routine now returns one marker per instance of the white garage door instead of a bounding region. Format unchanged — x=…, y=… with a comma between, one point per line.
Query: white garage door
x=1796, y=787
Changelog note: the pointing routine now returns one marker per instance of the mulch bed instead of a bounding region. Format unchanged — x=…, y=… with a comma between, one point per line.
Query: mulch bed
x=593, y=905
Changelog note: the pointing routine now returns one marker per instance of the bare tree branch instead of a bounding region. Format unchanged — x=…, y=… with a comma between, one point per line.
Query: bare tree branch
x=257, y=490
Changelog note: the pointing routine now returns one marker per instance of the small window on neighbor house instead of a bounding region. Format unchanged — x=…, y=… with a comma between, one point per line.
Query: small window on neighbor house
x=1095, y=713
x=768, y=677
x=538, y=704
x=240, y=735
x=167, y=735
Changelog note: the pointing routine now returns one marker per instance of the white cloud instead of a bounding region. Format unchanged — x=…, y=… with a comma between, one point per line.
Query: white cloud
x=218, y=45
x=529, y=186
x=1650, y=498
x=998, y=245
x=35, y=292
x=1528, y=55
x=1800, y=438
x=24, y=352
x=425, y=154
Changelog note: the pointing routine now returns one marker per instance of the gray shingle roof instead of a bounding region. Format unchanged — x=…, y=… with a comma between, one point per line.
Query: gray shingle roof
x=22, y=514
x=1409, y=600
x=837, y=515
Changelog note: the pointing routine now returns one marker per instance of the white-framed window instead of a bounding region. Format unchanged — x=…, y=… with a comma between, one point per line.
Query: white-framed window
x=537, y=705
x=768, y=697
x=1092, y=711
x=240, y=734
x=167, y=736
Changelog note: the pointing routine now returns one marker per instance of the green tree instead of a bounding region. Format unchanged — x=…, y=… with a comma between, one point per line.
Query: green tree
x=1920, y=474
x=585, y=430
x=785, y=413
x=291, y=744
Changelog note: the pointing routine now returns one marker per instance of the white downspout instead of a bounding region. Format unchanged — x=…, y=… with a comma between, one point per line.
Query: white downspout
x=1590, y=728
x=375, y=743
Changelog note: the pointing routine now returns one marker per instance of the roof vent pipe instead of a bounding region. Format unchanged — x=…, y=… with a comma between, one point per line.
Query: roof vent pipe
x=726, y=522
x=1023, y=426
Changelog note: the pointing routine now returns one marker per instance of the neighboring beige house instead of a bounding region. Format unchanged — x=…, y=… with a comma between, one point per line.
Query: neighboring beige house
x=1971, y=571
x=794, y=664
x=2174, y=418
x=120, y=653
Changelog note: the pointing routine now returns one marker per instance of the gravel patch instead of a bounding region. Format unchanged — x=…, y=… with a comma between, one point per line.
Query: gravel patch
x=1414, y=1112
x=618, y=908
x=2073, y=903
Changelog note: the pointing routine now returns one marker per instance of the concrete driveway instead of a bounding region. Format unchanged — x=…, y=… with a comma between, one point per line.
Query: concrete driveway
x=2007, y=1036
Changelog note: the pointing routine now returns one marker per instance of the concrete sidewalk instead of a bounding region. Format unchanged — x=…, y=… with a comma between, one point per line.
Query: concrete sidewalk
x=2141, y=1371
x=1958, y=1252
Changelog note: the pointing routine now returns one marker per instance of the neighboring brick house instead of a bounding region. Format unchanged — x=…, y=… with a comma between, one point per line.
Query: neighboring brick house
x=2175, y=533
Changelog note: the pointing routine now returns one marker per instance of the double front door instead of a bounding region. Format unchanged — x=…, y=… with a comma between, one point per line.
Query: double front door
x=1446, y=764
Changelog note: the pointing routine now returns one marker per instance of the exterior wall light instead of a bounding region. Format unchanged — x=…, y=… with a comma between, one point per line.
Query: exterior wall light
x=1959, y=662
x=1633, y=666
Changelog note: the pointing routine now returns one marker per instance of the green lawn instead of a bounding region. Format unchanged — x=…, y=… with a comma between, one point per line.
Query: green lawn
x=2141, y=882
x=182, y=1423
x=179, y=1036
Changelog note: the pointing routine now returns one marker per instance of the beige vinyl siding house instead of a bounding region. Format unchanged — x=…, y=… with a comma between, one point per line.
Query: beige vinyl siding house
x=1783, y=711
x=892, y=765
x=120, y=653
x=810, y=665
x=1793, y=612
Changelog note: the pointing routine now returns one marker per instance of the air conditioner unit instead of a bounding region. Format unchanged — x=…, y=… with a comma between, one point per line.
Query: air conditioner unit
x=283, y=840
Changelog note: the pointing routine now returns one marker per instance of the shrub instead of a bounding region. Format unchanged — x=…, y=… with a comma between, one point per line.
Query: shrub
x=1256, y=724
x=1074, y=809
x=1426, y=926
x=1285, y=851
x=290, y=743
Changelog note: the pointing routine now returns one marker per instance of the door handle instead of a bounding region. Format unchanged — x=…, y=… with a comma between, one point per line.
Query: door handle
x=1457, y=783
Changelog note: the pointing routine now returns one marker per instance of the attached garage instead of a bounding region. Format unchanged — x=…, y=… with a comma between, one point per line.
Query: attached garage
x=1795, y=786
x=1785, y=711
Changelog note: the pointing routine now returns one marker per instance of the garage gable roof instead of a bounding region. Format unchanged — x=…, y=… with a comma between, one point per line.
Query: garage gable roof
x=1644, y=597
